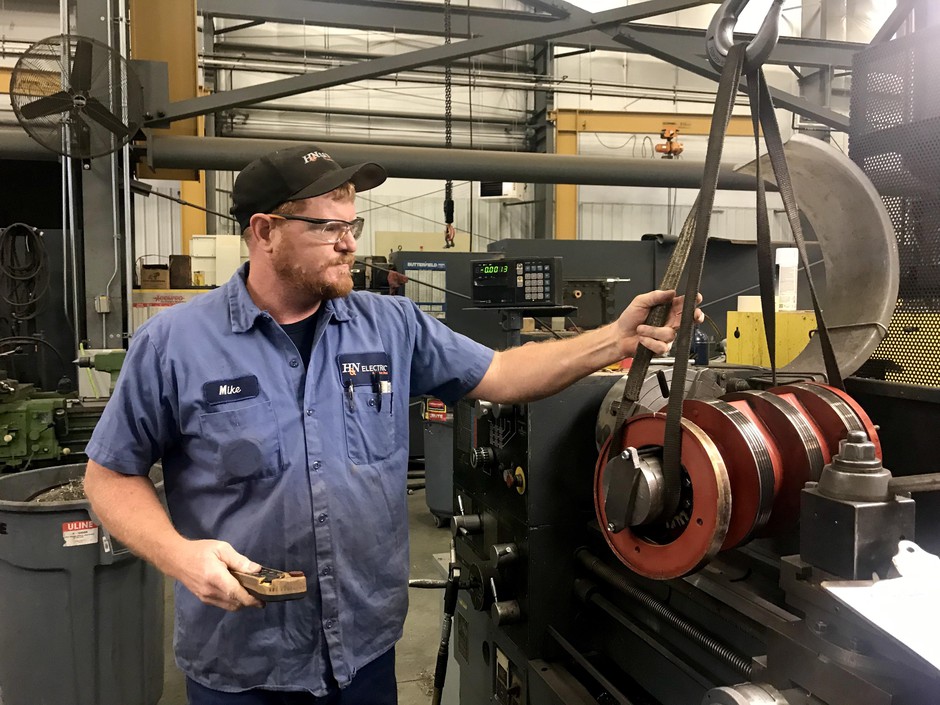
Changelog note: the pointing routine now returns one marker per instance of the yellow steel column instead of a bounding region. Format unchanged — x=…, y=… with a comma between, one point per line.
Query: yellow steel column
x=193, y=221
x=566, y=195
x=166, y=31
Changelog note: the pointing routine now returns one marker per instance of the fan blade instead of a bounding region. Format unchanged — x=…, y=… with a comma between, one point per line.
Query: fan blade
x=100, y=114
x=80, y=78
x=80, y=137
x=47, y=105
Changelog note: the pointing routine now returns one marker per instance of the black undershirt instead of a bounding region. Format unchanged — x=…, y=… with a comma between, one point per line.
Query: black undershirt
x=302, y=333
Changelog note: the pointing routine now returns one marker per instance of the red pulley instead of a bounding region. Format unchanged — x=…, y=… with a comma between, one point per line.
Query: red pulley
x=684, y=542
x=744, y=461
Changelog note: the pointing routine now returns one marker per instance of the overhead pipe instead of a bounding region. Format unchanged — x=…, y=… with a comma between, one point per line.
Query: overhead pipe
x=233, y=154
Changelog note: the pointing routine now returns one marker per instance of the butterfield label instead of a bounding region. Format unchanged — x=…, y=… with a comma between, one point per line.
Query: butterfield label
x=79, y=533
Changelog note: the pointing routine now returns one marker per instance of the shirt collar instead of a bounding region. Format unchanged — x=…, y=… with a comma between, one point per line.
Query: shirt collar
x=244, y=312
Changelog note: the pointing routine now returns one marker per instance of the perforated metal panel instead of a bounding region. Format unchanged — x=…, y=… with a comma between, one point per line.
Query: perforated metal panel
x=895, y=139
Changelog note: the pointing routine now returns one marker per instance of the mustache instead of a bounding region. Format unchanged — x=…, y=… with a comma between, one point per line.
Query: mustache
x=350, y=260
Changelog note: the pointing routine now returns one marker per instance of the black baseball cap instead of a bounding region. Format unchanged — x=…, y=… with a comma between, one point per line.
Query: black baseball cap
x=293, y=174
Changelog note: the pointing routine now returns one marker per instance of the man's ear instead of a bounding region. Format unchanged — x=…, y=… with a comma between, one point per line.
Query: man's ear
x=261, y=231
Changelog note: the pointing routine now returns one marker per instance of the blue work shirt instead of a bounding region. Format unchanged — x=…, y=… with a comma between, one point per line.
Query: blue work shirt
x=298, y=470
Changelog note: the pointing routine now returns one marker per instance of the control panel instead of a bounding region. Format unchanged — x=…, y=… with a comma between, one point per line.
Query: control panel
x=529, y=281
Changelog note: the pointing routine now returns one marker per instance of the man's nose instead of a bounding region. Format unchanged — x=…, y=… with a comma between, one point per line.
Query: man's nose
x=347, y=243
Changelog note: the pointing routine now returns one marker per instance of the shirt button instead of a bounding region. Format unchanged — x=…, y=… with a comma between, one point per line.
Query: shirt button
x=309, y=412
x=371, y=402
x=321, y=518
x=294, y=362
x=316, y=464
x=328, y=624
x=326, y=571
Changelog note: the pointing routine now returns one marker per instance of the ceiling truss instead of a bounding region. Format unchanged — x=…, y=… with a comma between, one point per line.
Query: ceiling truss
x=492, y=30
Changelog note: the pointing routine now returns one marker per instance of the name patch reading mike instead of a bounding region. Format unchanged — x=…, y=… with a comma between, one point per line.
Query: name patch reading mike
x=225, y=390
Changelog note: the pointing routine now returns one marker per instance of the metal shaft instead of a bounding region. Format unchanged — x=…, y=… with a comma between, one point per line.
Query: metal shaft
x=431, y=163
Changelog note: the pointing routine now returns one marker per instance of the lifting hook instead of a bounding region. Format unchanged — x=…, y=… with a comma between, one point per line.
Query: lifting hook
x=720, y=35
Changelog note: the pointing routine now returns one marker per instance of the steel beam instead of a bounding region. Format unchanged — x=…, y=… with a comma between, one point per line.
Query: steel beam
x=427, y=19
x=894, y=22
x=542, y=141
x=400, y=17
x=501, y=38
x=799, y=52
x=232, y=154
x=646, y=123
x=697, y=65
x=103, y=243
x=238, y=27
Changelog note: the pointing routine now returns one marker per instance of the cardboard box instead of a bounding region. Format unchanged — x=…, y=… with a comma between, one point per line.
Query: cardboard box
x=181, y=272
x=154, y=276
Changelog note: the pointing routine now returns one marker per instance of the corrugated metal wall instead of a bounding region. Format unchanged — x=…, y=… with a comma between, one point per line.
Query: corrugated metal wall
x=157, y=224
x=630, y=221
x=158, y=220
x=487, y=221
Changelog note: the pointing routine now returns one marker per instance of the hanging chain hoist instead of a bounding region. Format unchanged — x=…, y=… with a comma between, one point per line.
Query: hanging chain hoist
x=449, y=231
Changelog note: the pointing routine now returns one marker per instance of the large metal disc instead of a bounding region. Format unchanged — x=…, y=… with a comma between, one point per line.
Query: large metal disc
x=698, y=529
x=832, y=412
x=859, y=251
x=752, y=463
x=799, y=447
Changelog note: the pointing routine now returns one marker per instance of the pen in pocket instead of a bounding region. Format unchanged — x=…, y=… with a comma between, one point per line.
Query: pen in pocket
x=377, y=391
x=350, y=396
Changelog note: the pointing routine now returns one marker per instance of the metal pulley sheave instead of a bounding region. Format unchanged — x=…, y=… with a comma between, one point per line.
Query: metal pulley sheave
x=745, y=460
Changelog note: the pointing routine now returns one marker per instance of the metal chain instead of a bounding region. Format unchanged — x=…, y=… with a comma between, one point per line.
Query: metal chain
x=449, y=231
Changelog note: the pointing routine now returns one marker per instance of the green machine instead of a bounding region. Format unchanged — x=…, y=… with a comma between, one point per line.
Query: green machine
x=41, y=428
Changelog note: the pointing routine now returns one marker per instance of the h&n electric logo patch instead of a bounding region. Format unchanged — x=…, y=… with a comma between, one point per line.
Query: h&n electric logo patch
x=313, y=156
x=354, y=368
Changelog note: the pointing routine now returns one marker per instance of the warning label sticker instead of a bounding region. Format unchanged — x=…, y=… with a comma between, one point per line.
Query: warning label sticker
x=79, y=533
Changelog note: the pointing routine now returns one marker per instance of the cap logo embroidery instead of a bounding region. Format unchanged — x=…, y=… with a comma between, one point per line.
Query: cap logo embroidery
x=313, y=156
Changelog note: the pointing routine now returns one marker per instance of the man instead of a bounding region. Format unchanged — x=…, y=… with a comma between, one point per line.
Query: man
x=278, y=404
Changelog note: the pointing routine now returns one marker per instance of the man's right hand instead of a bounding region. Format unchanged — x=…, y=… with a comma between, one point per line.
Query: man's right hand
x=203, y=567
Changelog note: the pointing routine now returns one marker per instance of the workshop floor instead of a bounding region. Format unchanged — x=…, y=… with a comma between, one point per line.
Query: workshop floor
x=417, y=650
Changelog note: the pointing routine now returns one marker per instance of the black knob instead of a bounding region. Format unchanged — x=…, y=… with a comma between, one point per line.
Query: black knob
x=504, y=554
x=505, y=612
x=467, y=524
x=482, y=458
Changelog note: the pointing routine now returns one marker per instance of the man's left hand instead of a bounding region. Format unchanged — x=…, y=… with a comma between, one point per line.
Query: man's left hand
x=633, y=328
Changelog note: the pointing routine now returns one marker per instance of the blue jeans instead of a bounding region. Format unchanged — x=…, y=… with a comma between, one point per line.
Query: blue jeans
x=374, y=684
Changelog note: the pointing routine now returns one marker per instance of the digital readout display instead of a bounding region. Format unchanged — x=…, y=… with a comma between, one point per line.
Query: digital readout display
x=494, y=269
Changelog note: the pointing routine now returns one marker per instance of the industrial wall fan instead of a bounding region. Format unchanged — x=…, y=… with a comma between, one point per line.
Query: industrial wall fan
x=76, y=97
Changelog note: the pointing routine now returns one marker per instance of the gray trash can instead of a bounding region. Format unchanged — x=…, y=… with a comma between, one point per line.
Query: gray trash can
x=81, y=618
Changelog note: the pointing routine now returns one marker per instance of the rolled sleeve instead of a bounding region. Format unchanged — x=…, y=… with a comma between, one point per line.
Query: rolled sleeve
x=137, y=423
x=445, y=364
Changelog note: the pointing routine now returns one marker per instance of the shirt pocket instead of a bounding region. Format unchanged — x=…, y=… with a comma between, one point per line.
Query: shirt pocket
x=370, y=425
x=243, y=443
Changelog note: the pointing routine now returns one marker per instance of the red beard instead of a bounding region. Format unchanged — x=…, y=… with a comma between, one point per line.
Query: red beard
x=314, y=283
